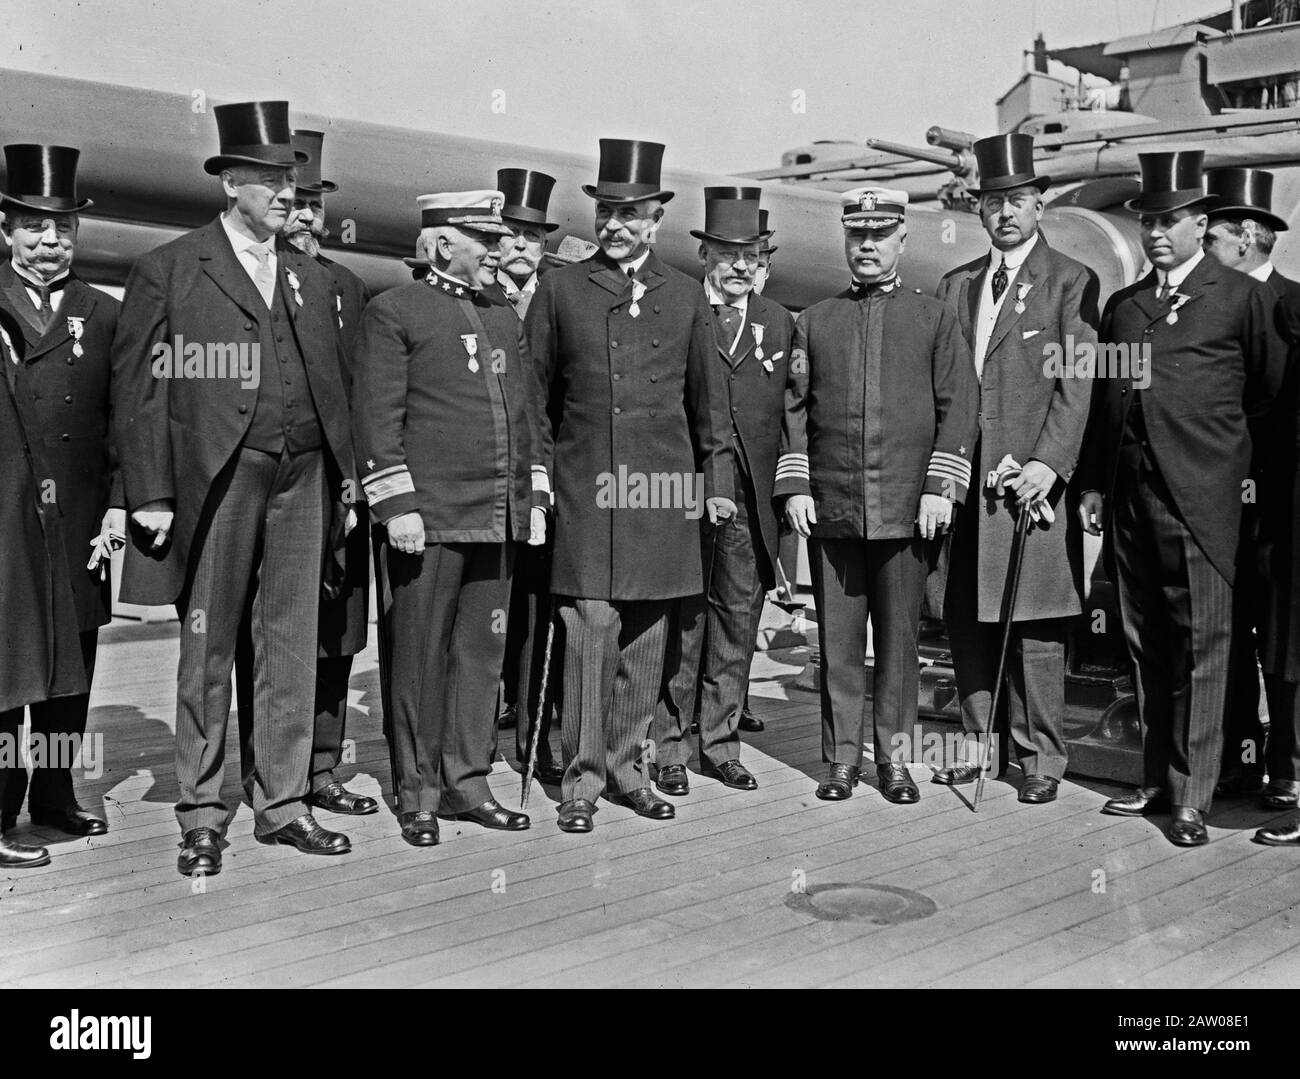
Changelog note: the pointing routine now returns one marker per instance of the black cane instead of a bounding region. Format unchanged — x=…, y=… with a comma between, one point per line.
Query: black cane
x=383, y=598
x=1009, y=592
x=535, y=724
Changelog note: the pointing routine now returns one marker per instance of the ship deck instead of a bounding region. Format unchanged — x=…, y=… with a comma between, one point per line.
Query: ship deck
x=770, y=888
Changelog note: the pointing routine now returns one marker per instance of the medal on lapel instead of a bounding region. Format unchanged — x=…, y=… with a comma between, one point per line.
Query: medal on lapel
x=1179, y=300
x=76, y=327
x=470, y=341
x=338, y=305
x=1022, y=290
x=757, y=329
x=295, y=285
x=638, y=290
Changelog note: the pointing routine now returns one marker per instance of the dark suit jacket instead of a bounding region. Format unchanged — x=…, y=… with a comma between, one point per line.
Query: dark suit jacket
x=1215, y=371
x=1032, y=412
x=71, y=398
x=174, y=435
x=642, y=407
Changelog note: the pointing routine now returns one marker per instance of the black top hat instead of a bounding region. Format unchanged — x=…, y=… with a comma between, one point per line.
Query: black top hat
x=629, y=171
x=1244, y=193
x=731, y=215
x=309, y=143
x=254, y=133
x=767, y=246
x=1007, y=161
x=42, y=178
x=527, y=194
x=1171, y=179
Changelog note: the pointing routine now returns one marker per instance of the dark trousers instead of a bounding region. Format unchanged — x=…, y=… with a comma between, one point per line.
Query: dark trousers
x=531, y=613
x=1282, y=758
x=855, y=580
x=1243, y=733
x=711, y=642
x=613, y=670
x=1035, y=686
x=60, y=721
x=445, y=636
x=1177, y=611
x=258, y=548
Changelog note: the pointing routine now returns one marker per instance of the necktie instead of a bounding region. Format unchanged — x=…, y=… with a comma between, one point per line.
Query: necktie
x=730, y=319
x=1000, y=280
x=45, y=312
x=263, y=278
x=1164, y=291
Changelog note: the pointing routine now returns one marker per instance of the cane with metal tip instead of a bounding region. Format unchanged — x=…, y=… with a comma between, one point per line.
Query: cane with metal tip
x=543, y=709
x=1009, y=594
x=790, y=604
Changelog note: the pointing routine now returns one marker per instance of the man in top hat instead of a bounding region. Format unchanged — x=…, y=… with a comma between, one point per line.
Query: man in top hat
x=880, y=424
x=66, y=330
x=231, y=423
x=1242, y=231
x=766, y=251
x=39, y=632
x=711, y=642
x=343, y=618
x=445, y=415
x=1017, y=307
x=1165, y=468
x=527, y=196
x=626, y=343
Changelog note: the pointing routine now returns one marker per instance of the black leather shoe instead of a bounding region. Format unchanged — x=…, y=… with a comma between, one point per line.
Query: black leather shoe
x=896, y=784
x=21, y=856
x=420, y=829
x=1239, y=783
x=644, y=803
x=1037, y=790
x=732, y=774
x=1281, y=794
x=750, y=722
x=1138, y=803
x=672, y=779
x=548, y=772
x=838, y=784
x=338, y=799
x=957, y=776
x=71, y=819
x=492, y=814
x=307, y=836
x=1279, y=835
x=200, y=853
x=1187, y=828
x=575, y=816
x=508, y=718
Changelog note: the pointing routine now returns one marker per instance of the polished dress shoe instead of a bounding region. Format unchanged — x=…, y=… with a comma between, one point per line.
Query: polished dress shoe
x=21, y=856
x=732, y=774
x=838, y=784
x=1239, y=783
x=492, y=814
x=750, y=722
x=673, y=779
x=896, y=784
x=200, y=853
x=1138, y=803
x=1278, y=835
x=305, y=835
x=70, y=818
x=548, y=771
x=509, y=717
x=1187, y=828
x=1038, y=789
x=420, y=829
x=956, y=776
x=1280, y=794
x=338, y=799
x=575, y=816
x=644, y=803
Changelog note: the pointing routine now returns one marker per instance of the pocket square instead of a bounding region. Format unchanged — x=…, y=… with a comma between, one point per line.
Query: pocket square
x=1027, y=334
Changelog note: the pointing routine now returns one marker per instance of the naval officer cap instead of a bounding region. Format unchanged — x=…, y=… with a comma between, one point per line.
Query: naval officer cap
x=472, y=211
x=872, y=207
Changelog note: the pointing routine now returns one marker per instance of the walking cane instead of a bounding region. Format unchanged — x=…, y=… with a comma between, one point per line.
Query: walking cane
x=1009, y=592
x=543, y=709
x=384, y=597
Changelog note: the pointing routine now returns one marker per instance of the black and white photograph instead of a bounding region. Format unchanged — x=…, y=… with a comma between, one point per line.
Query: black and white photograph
x=652, y=494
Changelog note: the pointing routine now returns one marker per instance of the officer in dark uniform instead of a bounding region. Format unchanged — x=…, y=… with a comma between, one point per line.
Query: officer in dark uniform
x=67, y=332
x=880, y=424
x=444, y=413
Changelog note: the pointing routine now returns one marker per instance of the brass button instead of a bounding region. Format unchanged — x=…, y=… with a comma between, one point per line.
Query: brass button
x=655, y=342
x=243, y=408
x=66, y=438
x=617, y=411
x=613, y=344
x=68, y=398
x=617, y=376
x=248, y=325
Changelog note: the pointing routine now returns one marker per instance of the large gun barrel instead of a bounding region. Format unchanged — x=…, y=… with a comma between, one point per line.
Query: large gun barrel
x=957, y=141
x=948, y=159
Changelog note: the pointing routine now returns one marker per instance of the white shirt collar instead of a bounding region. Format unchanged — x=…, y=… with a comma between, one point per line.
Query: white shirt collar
x=1178, y=274
x=715, y=297
x=242, y=243
x=634, y=264
x=30, y=280
x=509, y=287
x=1015, y=256
x=1264, y=271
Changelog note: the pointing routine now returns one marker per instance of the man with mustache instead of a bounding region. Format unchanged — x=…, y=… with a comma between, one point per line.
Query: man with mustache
x=445, y=413
x=880, y=421
x=1167, y=459
x=232, y=477
x=624, y=341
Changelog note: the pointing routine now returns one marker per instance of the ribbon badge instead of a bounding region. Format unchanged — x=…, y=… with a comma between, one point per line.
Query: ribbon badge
x=295, y=285
x=757, y=329
x=638, y=290
x=338, y=306
x=1180, y=298
x=76, y=327
x=1022, y=290
x=470, y=341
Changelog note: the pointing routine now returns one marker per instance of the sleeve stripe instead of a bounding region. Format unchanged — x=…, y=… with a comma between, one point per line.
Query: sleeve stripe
x=381, y=473
x=390, y=482
x=792, y=465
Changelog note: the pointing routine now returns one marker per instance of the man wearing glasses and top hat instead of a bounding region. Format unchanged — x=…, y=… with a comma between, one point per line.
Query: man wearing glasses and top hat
x=1166, y=465
x=639, y=454
x=231, y=422
x=712, y=638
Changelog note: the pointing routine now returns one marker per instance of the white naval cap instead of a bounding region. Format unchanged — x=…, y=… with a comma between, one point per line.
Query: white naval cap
x=872, y=207
x=477, y=211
